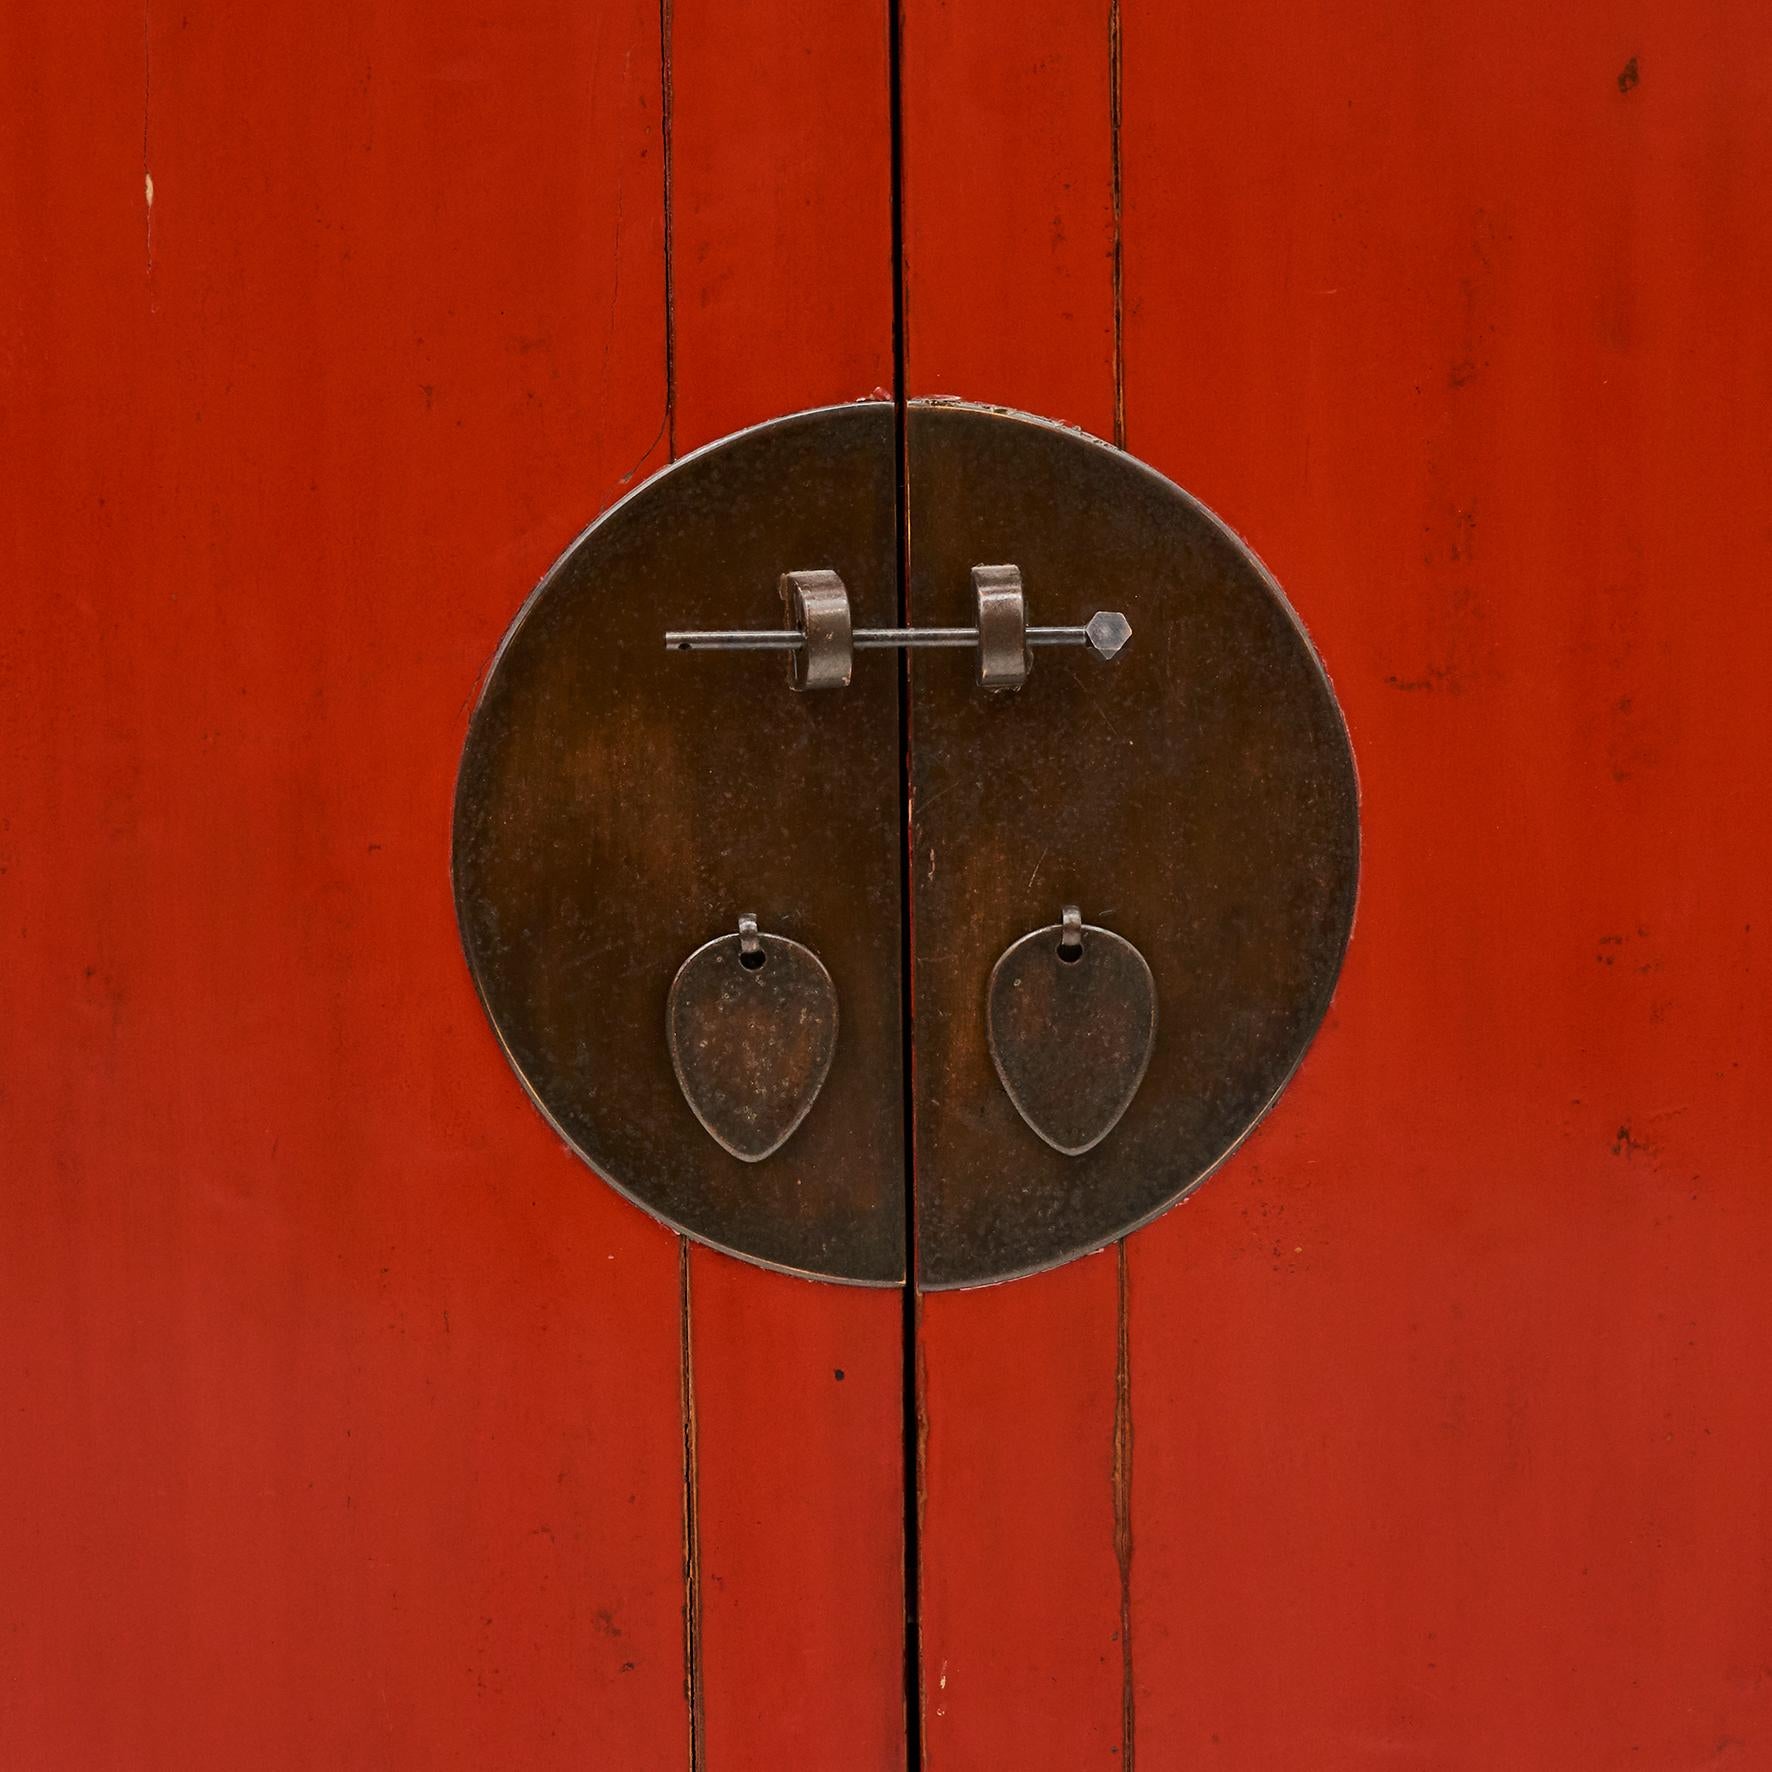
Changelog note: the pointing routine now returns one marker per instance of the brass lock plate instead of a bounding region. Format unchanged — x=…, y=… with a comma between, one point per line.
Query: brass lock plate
x=621, y=805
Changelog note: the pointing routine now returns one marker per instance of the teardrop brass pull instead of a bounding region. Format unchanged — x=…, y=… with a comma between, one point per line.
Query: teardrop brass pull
x=1072, y=1018
x=752, y=1026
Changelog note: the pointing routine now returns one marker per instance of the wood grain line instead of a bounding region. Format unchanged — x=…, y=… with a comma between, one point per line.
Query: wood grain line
x=692, y=1681
x=1123, y=1500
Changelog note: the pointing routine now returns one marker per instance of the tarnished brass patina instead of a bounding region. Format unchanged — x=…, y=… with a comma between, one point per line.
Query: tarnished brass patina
x=619, y=797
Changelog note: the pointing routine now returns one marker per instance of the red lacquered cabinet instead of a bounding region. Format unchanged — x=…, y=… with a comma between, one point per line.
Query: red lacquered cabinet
x=348, y=1420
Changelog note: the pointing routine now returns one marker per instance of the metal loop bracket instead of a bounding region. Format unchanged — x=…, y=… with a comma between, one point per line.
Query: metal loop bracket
x=817, y=604
x=1070, y=938
x=1003, y=657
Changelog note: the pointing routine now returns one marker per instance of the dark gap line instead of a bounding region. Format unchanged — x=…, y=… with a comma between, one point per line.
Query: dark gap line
x=1123, y=1287
x=1123, y=1501
x=909, y=1358
x=692, y=1682
x=670, y=284
x=693, y=1689
x=1119, y=270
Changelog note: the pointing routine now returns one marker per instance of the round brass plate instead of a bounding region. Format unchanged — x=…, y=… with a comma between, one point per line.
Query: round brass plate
x=1191, y=789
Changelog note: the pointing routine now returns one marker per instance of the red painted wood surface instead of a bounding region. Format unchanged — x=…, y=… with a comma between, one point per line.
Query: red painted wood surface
x=341, y=1405
x=782, y=299
x=1451, y=1437
x=342, y=1409
x=801, y=1466
x=1008, y=240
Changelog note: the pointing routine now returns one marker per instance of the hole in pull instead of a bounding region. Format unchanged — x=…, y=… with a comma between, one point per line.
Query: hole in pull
x=753, y=961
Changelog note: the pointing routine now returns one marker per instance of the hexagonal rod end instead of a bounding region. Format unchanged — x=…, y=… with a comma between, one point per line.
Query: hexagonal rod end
x=1108, y=632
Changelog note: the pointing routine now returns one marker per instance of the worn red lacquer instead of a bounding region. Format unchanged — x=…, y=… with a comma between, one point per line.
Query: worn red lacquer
x=347, y=1418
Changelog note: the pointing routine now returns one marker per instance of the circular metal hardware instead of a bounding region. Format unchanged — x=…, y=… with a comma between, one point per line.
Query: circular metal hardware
x=818, y=606
x=1003, y=661
x=614, y=801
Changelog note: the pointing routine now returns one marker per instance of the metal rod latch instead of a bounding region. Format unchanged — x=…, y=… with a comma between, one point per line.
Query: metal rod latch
x=824, y=641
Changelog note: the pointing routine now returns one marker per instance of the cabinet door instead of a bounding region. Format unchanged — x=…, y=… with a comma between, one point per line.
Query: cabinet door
x=1427, y=1432
x=349, y=1418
